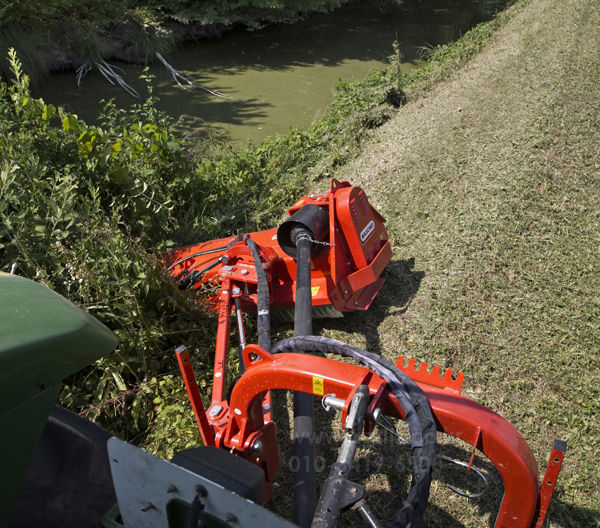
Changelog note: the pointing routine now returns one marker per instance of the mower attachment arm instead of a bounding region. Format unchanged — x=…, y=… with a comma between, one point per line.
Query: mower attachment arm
x=455, y=414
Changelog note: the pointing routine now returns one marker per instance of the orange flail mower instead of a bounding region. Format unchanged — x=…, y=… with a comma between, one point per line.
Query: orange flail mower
x=345, y=265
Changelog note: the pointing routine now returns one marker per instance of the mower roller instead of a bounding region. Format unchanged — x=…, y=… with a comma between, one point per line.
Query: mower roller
x=325, y=259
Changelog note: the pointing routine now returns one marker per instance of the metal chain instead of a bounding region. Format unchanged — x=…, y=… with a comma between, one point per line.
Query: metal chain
x=319, y=242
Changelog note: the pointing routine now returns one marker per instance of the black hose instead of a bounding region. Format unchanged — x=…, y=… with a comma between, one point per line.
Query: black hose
x=415, y=405
x=303, y=304
x=263, y=302
x=186, y=279
x=305, y=495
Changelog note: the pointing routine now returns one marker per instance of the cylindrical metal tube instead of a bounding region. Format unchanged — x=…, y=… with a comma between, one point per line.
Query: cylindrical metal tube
x=334, y=495
x=241, y=333
x=368, y=516
x=263, y=303
x=331, y=401
x=304, y=451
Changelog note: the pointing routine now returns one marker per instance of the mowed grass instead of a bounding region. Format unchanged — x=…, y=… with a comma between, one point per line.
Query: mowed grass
x=490, y=183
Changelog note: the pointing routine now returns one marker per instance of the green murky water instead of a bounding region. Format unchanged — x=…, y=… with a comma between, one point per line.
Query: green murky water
x=283, y=76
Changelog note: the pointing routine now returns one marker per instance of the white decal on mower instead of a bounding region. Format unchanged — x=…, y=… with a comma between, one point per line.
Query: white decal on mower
x=367, y=231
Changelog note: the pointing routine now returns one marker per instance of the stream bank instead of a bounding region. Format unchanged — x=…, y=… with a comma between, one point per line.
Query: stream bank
x=282, y=76
x=59, y=35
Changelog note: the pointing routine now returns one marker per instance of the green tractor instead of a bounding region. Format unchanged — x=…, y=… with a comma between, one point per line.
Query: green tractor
x=59, y=469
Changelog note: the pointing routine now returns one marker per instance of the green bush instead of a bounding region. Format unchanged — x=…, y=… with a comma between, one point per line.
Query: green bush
x=87, y=210
x=251, y=12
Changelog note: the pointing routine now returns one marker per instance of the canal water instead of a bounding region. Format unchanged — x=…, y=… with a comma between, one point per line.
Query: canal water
x=282, y=76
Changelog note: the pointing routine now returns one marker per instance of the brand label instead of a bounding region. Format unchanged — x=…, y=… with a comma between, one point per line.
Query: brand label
x=367, y=231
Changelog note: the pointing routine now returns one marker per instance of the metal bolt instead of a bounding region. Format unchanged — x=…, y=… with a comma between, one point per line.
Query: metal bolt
x=235, y=291
x=226, y=268
x=148, y=507
x=201, y=491
x=267, y=407
x=355, y=303
x=230, y=518
x=172, y=488
x=225, y=291
x=345, y=292
x=245, y=272
x=353, y=490
x=257, y=446
x=214, y=410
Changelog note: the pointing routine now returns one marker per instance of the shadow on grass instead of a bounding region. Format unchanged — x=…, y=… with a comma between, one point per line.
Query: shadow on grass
x=382, y=463
x=384, y=466
x=400, y=288
x=565, y=515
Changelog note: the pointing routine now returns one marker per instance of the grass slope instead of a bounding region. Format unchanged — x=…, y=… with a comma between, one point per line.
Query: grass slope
x=491, y=187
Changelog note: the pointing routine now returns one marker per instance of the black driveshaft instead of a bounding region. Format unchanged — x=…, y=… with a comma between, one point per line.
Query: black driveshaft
x=304, y=449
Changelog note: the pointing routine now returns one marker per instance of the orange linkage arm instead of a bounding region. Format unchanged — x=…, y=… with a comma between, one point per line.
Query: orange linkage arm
x=455, y=415
x=185, y=365
x=222, y=347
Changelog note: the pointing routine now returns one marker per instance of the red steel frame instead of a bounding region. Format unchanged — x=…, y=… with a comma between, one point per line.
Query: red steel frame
x=245, y=426
x=185, y=365
x=345, y=271
x=455, y=415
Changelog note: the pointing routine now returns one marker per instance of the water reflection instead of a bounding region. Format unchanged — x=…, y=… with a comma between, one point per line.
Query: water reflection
x=282, y=76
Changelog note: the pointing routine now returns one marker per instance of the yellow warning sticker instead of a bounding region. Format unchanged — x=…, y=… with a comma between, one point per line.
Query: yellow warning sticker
x=318, y=386
x=314, y=290
x=312, y=265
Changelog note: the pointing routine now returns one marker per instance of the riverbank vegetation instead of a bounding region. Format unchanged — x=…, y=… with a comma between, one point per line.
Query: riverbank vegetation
x=64, y=34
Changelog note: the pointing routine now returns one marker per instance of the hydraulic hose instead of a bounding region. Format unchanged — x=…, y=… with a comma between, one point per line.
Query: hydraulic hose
x=206, y=252
x=415, y=405
x=263, y=302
